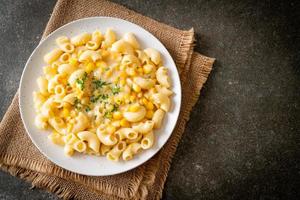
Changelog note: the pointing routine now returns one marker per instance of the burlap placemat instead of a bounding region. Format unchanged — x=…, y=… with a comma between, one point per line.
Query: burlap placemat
x=21, y=158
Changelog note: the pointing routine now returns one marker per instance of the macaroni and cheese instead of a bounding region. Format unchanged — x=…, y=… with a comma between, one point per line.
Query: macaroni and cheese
x=102, y=96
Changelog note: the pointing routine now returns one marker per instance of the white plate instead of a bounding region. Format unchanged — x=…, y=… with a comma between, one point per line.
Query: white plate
x=86, y=164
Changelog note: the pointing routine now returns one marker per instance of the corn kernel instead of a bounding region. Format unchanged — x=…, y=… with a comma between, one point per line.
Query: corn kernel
x=108, y=73
x=67, y=105
x=123, y=75
x=131, y=98
x=136, y=88
x=149, y=106
x=73, y=61
x=104, y=53
x=148, y=68
x=110, y=129
x=117, y=115
x=101, y=64
x=122, y=82
x=49, y=70
x=65, y=112
x=131, y=72
x=89, y=67
x=145, y=101
x=124, y=123
x=140, y=70
x=149, y=114
x=134, y=108
x=69, y=127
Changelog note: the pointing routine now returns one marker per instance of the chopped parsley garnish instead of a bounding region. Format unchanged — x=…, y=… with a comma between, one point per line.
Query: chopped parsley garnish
x=115, y=108
x=77, y=104
x=94, y=99
x=99, y=84
x=108, y=114
x=115, y=89
x=80, y=82
x=87, y=109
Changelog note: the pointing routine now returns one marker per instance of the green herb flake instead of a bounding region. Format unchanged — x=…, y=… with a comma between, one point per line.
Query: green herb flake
x=80, y=82
x=115, y=89
x=99, y=83
x=77, y=104
x=115, y=108
x=87, y=109
x=108, y=114
x=94, y=99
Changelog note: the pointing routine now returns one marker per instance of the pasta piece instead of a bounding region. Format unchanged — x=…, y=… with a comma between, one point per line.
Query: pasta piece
x=58, y=124
x=137, y=139
x=135, y=116
x=61, y=40
x=126, y=133
x=81, y=39
x=143, y=127
x=143, y=57
x=105, y=138
x=59, y=90
x=158, y=117
x=131, y=39
x=162, y=77
x=162, y=100
x=154, y=55
x=66, y=69
x=144, y=83
x=70, y=139
x=95, y=42
x=91, y=139
x=81, y=123
x=43, y=85
x=148, y=68
x=56, y=139
x=41, y=121
x=89, y=55
x=115, y=153
x=131, y=150
x=70, y=98
x=38, y=100
x=76, y=75
x=104, y=149
x=65, y=57
x=110, y=38
x=51, y=85
x=130, y=60
x=80, y=146
x=163, y=90
x=68, y=150
x=148, y=140
x=52, y=56
x=122, y=47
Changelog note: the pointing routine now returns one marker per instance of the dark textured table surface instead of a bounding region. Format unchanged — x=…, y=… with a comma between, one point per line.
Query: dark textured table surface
x=242, y=141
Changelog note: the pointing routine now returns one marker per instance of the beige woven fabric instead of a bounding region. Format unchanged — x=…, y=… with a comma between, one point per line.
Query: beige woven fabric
x=21, y=158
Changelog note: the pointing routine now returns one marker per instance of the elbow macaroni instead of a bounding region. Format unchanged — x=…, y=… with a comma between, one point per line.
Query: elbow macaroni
x=102, y=95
